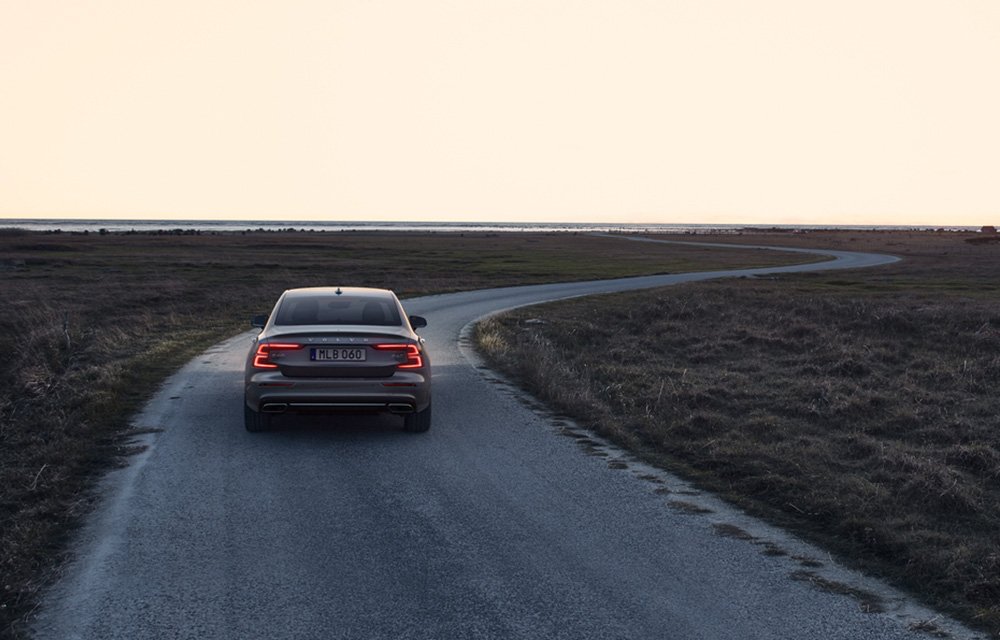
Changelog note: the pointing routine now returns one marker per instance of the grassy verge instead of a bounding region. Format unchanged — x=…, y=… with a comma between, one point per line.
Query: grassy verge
x=856, y=408
x=92, y=323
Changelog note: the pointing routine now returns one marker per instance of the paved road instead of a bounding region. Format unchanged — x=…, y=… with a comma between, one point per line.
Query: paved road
x=491, y=525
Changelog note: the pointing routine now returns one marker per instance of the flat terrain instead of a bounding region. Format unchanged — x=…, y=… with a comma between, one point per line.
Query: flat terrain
x=493, y=524
x=858, y=408
x=93, y=323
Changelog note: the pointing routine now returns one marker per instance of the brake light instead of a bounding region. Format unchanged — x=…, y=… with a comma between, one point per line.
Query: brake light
x=262, y=359
x=414, y=359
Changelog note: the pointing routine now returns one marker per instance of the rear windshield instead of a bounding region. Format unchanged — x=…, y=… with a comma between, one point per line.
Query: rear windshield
x=342, y=309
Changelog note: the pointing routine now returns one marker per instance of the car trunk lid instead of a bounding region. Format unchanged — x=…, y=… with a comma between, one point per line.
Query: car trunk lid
x=337, y=355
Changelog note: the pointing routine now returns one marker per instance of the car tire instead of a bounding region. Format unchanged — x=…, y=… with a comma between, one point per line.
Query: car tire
x=419, y=421
x=254, y=421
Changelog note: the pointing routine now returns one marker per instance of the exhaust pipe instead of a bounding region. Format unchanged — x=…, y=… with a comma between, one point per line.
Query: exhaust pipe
x=398, y=407
x=274, y=407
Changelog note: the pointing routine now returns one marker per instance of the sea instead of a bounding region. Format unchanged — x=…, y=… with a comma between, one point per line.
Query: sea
x=206, y=226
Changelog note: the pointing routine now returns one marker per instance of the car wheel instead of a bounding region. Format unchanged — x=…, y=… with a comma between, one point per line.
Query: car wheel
x=418, y=422
x=255, y=421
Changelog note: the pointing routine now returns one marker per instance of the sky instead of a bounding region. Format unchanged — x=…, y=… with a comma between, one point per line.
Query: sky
x=659, y=111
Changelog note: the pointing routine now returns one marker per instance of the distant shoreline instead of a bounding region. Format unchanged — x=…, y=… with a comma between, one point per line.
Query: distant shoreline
x=237, y=226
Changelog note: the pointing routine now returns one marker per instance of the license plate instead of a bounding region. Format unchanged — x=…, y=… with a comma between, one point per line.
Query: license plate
x=338, y=354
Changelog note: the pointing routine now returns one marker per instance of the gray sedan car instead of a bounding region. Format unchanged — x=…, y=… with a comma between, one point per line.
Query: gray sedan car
x=349, y=349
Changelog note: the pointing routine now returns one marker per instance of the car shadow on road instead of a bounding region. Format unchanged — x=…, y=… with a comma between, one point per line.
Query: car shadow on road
x=336, y=426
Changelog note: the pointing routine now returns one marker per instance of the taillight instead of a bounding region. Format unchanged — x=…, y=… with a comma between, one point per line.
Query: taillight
x=414, y=359
x=262, y=359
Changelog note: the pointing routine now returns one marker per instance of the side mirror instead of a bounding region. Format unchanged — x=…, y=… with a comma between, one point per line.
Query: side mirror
x=418, y=322
x=258, y=321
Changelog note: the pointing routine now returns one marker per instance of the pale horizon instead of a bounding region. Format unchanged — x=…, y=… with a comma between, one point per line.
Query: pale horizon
x=717, y=112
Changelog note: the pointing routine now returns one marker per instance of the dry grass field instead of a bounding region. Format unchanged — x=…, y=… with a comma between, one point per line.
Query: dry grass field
x=860, y=409
x=92, y=323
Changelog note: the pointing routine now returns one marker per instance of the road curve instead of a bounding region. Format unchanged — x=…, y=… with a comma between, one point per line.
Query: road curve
x=491, y=525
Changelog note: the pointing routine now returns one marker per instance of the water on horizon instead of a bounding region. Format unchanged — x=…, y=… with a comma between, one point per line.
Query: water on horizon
x=229, y=226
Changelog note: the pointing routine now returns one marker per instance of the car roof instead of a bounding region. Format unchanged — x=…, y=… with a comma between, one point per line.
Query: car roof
x=367, y=292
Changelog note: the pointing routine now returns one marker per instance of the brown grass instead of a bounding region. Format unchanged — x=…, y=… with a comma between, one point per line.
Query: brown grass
x=92, y=323
x=858, y=408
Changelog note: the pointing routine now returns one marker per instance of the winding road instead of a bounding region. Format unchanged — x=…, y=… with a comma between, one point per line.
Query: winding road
x=491, y=525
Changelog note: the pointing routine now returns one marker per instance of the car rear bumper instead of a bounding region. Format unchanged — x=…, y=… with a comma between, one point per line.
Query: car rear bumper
x=403, y=392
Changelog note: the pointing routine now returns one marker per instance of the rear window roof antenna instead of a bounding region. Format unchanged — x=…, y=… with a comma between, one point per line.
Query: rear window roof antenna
x=338, y=291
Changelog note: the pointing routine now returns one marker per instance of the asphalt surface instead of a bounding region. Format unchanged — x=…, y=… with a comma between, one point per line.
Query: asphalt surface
x=491, y=525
